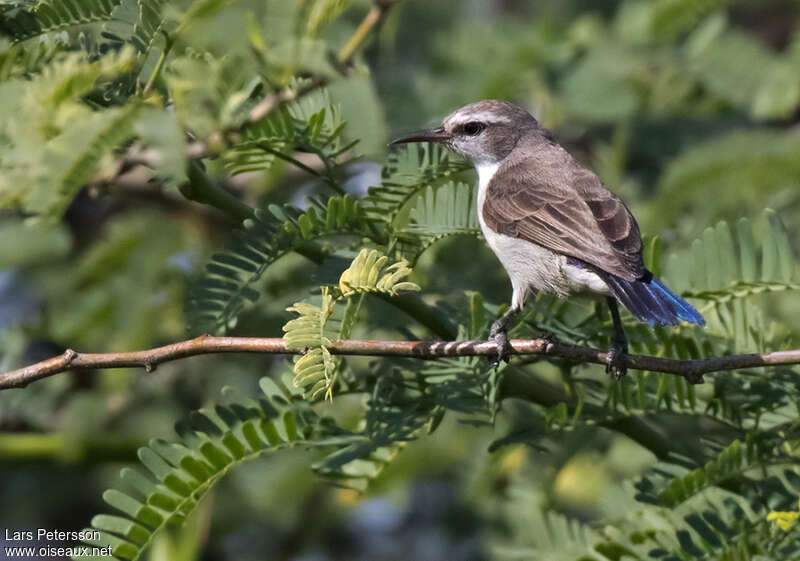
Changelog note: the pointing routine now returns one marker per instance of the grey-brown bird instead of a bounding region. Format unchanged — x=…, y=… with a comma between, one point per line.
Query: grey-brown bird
x=552, y=223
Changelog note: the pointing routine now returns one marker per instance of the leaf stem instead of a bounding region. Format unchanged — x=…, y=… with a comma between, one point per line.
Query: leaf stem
x=162, y=59
x=324, y=177
x=201, y=189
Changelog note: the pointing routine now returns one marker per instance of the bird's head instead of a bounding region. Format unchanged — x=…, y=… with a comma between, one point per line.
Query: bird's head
x=485, y=132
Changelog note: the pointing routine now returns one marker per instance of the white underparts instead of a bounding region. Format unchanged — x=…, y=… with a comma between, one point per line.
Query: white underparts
x=584, y=280
x=531, y=267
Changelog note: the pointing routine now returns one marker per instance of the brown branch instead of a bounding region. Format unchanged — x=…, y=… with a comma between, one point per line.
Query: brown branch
x=691, y=370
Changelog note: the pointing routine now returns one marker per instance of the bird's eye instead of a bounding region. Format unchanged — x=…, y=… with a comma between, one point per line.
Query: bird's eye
x=472, y=129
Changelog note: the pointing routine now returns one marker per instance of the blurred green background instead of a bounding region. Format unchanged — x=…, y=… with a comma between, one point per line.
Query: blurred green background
x=686, y=109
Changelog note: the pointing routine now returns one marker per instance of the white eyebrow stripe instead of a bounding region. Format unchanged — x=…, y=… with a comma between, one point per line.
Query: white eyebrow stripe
x=481, y=116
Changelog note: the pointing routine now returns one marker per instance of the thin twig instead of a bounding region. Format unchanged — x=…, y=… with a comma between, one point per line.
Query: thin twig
x=324, y=177
x=264, y=107
x=692, y=370
x=270, y=102
x=202, y=189
x=374, y=18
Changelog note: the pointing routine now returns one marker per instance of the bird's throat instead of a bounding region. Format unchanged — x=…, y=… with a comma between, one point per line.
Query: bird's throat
x=485, y=174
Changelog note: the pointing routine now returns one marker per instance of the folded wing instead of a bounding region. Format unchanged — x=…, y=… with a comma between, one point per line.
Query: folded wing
x=573, y=215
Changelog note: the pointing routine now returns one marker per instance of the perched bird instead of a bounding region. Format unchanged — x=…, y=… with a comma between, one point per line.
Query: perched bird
x=552, y=223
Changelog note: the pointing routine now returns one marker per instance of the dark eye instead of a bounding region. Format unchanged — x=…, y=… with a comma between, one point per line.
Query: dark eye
x=472, y=129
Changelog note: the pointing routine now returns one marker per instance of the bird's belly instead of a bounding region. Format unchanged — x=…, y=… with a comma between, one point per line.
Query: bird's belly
x=585, y=280
x=531, y=267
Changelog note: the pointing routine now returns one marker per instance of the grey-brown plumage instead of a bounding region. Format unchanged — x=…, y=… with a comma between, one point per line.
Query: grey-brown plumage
x=569, y=211
x=550, y=221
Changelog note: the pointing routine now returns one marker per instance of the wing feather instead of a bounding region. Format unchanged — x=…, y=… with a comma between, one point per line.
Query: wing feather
x=572, y=214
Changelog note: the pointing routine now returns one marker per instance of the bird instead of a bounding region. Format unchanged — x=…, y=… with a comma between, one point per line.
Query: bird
x=552, y=223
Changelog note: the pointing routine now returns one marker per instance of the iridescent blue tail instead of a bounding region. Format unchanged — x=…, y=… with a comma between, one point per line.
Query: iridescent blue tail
x=652, y=302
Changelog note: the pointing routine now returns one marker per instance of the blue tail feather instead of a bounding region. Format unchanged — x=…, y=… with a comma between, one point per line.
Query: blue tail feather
x=652, y=302
x=683, y=309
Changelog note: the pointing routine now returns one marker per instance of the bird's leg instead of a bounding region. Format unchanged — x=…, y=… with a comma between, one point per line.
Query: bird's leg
x=498, y=334
x=615, y=358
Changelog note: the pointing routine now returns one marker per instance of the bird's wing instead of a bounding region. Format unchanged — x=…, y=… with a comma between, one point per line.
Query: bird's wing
x=573, y=215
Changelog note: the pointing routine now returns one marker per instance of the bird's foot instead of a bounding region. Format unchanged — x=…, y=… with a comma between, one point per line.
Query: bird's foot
x=615, y=360
x=499, y=337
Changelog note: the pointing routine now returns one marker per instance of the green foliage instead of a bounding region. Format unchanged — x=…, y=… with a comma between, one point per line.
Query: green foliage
x=670, y=17
x=315, y=370
x=719, y=528
x=314, y=332
x=724, y=165
x=299, y=128
x=178, y=475
x=406, y=173
x=159, y=130
x=217, y=299
x=56, y=15
x=104, y=132
x=369, y=272
x=24, y=245
x=767, y=90
x=731, y=463
x=725, y=271
x=71, y=140
x=450, y=209
x=127, y=288
x=321, y=12
x=148, y=24
x=446, y=211
x=687, y=109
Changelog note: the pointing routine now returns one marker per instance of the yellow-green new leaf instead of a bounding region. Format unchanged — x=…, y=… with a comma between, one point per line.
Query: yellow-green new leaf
x=784, y=520
x=369, y=273
x=315, y=370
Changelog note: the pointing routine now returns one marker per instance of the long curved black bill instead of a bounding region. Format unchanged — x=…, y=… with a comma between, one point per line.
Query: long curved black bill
x=427, y=135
